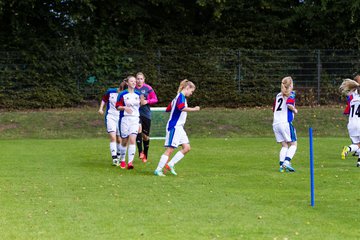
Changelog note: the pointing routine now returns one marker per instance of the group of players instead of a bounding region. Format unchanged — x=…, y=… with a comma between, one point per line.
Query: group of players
x=128, y=122
x=284, y=110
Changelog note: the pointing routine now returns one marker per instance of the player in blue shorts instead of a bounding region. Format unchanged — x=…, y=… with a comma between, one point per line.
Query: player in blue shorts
x=175, y=133
x=148, y=98
x=285, y=133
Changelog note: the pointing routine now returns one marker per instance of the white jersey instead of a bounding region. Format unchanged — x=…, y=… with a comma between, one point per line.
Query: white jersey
x=282, y=114
x=110, y=98
x=177, y=115
x=354, y=114
x=131, y=100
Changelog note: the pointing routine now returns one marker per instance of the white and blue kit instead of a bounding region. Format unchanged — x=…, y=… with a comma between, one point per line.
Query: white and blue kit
x=129, y=122
x=283, y=117
x=111, y=113
x=175, y=133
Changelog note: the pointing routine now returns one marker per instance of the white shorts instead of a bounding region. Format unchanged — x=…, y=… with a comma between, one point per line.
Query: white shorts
x=128, y=126
x=112, y=124
x=355, y=139
x=175, y=137
x=284, y=132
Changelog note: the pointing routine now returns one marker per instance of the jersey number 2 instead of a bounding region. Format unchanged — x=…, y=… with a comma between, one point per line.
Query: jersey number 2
x=280, y=101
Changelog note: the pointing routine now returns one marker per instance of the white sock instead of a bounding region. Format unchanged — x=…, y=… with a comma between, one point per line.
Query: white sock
x=118, y=148
x=162, y=162
x=282, y=155
x=353, y=147
x=291, y=152
x=178, y=156
x=122, y=153
x=131, y=153
x=113, y=149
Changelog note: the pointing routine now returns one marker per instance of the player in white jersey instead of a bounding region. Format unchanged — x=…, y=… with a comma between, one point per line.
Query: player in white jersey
x=128, y=103
x=285, y=133
x=112, y=121
x=351, y=88
x=175, y=133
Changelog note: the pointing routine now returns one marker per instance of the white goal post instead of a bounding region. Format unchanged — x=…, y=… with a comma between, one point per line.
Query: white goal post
x=159, y=120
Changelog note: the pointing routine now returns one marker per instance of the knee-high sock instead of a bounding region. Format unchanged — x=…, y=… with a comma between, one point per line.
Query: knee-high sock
x=139, y=142
x=282, y=155
x=131, y=153
x=178, y=156
x=146, y=147
x=353, y=147
x=290, y=152
x=122, y=152
x=118, y=148
x=162, y=162
x=113, y=150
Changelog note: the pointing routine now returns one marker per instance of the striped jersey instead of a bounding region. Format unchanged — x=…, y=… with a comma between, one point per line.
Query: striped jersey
x=110, y=98
x=132, y=100
x=282, y=114
x=177, y=116
x=149, y=95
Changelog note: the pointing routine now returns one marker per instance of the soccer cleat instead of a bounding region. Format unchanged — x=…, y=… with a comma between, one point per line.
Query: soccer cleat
x=287, y=166
x=159, y=173
x=358, y=164
x=344, y=152
x=115, y=162
x=281, y=169
x=172, y=170
x=123, y=164
x=142, y=156
x=144, y=159
x=130, y=166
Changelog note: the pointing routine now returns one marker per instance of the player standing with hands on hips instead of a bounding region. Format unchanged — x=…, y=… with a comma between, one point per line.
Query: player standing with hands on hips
x=147, y=97
x=352, y=89
x=285, y=133
x=175, y=133
x=128, y=104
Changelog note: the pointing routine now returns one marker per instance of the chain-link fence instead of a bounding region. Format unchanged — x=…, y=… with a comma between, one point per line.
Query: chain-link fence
x=239, y=75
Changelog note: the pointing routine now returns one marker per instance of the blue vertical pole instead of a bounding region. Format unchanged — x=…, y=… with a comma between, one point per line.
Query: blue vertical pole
x=312, y=183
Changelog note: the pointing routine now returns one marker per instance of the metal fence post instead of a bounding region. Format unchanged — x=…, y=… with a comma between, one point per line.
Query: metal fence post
x=318, y=75
x=239, y=70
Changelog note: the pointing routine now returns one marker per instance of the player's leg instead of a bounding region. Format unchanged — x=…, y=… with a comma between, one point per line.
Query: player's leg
x=291, y=139
x=133, y=132
x=146, y=123
x=280, y=138
x=351, y=148
x=184, y=141
x=111, y=126
x=170, y=144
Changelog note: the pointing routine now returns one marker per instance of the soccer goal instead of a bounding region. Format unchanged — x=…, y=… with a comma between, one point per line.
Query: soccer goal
x=159, y=120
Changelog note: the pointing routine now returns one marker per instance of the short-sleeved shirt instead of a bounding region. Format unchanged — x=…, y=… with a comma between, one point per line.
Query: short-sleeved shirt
x=177, y=116
x=110, y=98
x=132, y=100
x=150, y=96
x=282, y=114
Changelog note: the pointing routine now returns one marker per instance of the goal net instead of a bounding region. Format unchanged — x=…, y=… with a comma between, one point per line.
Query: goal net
x=159, y=120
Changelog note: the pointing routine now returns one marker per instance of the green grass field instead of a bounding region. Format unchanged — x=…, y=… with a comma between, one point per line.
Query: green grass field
x=225, y=189
x=57, y=182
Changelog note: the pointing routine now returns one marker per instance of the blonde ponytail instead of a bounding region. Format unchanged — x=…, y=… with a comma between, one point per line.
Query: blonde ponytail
x=286, y=82
x=349, y=85
x=184, y=83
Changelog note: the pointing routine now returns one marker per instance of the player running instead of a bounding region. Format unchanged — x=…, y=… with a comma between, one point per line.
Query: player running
x=175, y=133
x=351, y=88
x=285, y=133
x=112, y=121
